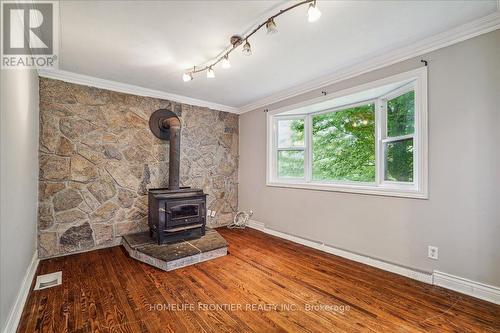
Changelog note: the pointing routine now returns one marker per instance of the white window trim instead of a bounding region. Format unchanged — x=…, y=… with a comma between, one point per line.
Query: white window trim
x=382, y=138
x=417, y=189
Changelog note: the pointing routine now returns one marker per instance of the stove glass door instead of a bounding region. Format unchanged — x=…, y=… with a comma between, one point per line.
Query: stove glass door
x=185, y=211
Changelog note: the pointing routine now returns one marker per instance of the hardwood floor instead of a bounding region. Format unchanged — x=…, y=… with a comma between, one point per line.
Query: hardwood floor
x=107, y=291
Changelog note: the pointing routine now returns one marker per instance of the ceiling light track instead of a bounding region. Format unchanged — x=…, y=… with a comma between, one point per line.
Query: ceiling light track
x=313, y=14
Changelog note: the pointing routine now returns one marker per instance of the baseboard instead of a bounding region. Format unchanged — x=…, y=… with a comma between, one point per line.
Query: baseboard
x=384, y=265
x=468, y=287
x=448, y=281
x=22, y=296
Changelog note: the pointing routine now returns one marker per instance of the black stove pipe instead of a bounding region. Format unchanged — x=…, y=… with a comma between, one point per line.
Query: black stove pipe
x=166, y=125
x=174, y=126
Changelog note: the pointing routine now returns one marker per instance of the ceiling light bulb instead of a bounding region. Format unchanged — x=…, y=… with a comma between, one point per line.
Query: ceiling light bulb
x=271, y=27
x=187, y=77
x=247, y=49
x=225, y=62
x=210, y=73
x=313, y=13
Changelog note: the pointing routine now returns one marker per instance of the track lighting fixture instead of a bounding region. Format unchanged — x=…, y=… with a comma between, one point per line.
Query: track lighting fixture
x=225, y=62
x=247, y=49
x=271, y=27
x=313, y=14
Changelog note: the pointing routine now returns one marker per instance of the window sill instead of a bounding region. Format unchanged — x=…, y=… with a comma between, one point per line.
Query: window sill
x=350, y=188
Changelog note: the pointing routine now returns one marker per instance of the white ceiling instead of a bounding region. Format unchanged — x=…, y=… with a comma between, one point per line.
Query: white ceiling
x=151, y=43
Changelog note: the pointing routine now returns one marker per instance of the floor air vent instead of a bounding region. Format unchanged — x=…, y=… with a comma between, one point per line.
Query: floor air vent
x=48, y=280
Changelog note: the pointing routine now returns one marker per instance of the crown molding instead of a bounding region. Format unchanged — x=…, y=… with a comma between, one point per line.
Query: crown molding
x=466, y=31
x=129, y=89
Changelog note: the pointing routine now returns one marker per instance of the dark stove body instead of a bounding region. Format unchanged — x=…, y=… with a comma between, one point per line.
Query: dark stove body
x=176, y=215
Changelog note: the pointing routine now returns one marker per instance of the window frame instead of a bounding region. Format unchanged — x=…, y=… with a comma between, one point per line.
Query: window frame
x=412, y=80
x=309, y=134
x=383, y=137
x=289, y=148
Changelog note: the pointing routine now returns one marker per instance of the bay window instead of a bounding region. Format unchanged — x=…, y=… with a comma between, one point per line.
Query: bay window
x=370, y=139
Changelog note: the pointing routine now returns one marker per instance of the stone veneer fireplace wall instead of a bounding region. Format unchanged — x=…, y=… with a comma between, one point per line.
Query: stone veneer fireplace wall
x=98, y=158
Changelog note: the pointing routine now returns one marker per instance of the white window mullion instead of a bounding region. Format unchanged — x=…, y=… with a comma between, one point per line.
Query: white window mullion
x=308, y=148
x=381, y=131
x=420, y=138
x=275, y=145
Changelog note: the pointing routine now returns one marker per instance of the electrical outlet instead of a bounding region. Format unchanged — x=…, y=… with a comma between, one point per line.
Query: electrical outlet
x=432, y=252
x=213, y=213
x=209, y=212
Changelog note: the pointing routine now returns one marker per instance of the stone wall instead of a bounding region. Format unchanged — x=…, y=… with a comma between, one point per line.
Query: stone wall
x=98, y=158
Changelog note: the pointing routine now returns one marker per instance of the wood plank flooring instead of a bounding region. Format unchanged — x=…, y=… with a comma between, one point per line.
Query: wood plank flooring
x=265, y=284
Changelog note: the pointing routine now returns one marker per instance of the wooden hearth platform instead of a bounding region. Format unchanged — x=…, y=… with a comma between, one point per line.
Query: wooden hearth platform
x=176, y=255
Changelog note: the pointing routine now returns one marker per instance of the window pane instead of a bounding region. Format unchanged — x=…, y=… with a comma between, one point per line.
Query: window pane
x=344, y=145
x=400, y=115
x=399, y=160
x=291, y=133
x=291, y=164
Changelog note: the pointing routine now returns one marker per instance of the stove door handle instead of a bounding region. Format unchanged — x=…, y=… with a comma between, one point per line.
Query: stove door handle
x=167, y=212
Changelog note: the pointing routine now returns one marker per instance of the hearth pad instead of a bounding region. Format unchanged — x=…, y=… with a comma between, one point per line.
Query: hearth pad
x=176, y=255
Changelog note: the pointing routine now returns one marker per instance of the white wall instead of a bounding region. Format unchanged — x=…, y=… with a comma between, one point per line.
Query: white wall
x=18, y=182
x=462, y=215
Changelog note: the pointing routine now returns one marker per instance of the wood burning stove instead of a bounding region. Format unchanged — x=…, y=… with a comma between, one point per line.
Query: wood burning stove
x=174, y=213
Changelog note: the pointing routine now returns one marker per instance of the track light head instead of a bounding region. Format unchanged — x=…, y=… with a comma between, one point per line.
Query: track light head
x=186, y=77
x=225, y=62
x=247, y=49
x=271, y=27
x=313, y=13
x=210, y=73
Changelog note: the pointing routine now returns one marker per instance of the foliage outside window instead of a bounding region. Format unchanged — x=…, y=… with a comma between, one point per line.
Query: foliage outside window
x=343, y=145
x=399, y=142
x=365, y=145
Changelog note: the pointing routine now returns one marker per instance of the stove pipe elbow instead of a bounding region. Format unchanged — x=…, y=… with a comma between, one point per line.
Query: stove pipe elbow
x=165, y=125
